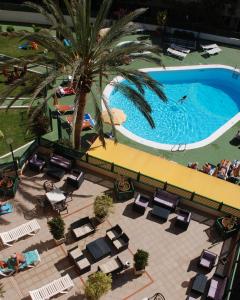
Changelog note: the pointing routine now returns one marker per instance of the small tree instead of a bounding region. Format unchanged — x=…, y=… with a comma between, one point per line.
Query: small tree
x=97, y=285
x=102, y=206
x=140, y=259
x=57, y=227
x=39, y=124
x=10, y=29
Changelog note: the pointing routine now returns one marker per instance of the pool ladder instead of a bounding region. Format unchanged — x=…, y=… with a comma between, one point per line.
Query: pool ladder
x=235, y=72
x=179, y=148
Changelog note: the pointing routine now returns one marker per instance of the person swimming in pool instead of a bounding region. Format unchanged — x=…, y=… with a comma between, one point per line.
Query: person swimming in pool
x=181, y=100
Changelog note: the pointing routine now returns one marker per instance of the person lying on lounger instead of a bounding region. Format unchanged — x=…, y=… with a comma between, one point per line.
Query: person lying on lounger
x=16, y=260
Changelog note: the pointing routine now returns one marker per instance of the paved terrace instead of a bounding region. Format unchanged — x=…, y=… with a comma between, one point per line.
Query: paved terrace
x=173, y=254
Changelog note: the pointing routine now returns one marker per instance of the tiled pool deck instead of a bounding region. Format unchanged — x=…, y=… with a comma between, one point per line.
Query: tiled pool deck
x=173, y=259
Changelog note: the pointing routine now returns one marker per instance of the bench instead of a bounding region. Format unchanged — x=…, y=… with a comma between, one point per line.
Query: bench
x=61, y=161
x=165, y=199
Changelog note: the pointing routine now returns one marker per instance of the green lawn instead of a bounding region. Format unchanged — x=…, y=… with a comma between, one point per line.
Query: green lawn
x=9, y=46
x=13, y=125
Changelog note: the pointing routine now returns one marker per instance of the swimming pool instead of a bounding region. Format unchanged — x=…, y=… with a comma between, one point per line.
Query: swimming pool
x=211, y=107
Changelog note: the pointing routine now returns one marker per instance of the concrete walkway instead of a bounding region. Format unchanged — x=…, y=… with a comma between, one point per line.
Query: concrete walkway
x=170, y=171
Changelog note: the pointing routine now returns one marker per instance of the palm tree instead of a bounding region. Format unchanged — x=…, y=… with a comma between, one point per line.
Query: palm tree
x=91, y=60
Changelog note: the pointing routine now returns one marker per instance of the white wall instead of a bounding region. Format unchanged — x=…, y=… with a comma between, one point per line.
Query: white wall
x=36, y=18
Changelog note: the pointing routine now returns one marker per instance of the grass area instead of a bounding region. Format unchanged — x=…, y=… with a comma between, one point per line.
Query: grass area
x=214, y=152
x=13, y=125
x=9, y=46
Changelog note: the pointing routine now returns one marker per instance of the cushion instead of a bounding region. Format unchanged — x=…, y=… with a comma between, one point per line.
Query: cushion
x=118, y=243
x=84, y=229
x=110, y=234
x=83, y=263
x=109, y=266
x=204, y=262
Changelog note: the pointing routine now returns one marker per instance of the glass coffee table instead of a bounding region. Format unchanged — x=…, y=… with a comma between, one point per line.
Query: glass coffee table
x=199, y=283
x=160, y=212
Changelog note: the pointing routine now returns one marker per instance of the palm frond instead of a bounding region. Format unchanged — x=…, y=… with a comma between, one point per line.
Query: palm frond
x=132, y=95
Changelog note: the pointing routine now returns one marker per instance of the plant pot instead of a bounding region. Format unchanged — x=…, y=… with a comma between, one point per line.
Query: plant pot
x=10, y=190
x=124, y=195
x=60, y=241
x=99, y=219
x=138, y=272
x=224, y=232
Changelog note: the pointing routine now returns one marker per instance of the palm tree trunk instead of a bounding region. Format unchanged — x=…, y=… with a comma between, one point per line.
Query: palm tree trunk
x=78, y=119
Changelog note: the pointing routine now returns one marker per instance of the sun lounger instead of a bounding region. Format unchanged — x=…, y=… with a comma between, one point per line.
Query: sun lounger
x=32, y=258
x=29, y=228
x=180, y=48
x=58, y=286
x=176, y=53
x=210, y=46
x=213, y=51
x=88, y=121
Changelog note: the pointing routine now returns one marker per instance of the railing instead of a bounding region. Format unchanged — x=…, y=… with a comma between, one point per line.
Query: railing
x=233, y=276
x=147, y=180
x=116, y=169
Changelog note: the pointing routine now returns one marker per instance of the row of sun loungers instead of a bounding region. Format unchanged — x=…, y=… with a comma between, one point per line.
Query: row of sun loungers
x=226, y=169
x=181, y=52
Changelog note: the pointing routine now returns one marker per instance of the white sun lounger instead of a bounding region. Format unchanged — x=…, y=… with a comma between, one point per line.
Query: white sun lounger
x=176, y=53
x=180, y=48
x=58, y=286
x=29, y=228
x=210, y=46
x=213, y=51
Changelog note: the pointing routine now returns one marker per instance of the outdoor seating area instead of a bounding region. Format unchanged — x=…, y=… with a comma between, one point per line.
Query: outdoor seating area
x=93, y=246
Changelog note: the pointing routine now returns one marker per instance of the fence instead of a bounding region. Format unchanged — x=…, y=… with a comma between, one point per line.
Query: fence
x=144, y=179
x=116, y=169
x=232, y=290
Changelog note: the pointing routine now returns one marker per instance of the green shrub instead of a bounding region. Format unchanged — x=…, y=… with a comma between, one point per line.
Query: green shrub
x=39, y=124
x=97, y=285
x=102, y=206
x=57, y=227
x=36, y=28
x=10, y=29
x=0, y=28
x=140, y=259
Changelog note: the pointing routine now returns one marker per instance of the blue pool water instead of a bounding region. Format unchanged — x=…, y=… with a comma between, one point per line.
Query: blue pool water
x=213, y=97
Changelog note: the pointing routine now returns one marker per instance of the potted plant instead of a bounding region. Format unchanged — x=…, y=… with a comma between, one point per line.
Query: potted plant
x=140, y=261
x=97, y=285
x=57, y=229
x=8, y=186
x=102, y=207
x=124, y=189
x=227, y=226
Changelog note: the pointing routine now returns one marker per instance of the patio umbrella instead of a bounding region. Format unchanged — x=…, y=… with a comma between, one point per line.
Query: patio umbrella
x=117, y=114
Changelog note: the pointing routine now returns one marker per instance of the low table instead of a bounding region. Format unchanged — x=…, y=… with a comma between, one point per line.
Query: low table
x=55, y=196
x=55, y=172
x=98, y=249
x=199, y=283
x=160, y=212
